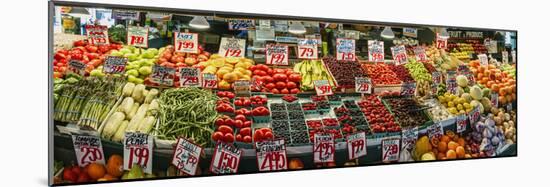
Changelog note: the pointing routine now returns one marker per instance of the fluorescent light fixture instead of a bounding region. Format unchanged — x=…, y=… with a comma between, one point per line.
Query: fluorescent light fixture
x=199, y=22
x=78, y=11
x=296, y=28
x=443, y=33
x=387, y=33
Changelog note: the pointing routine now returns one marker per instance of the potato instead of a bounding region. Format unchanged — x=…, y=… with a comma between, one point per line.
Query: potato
x=506, y=125
x=498, y=120
x=507, y=117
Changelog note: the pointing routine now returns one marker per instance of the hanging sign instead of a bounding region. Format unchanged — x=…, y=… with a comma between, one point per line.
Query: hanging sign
x=390, y=149
x=138, y=36
x=505, y=57
x=474, y=115
x=376, y=50
x=186, y=156
x=276, y=54
x=265, y=24
x=345, y=49
x=88, y=149
x=461, y=122
x=241, y=24
x=114, y=65
x=420, y=53
x=399, y=54
x=125, y=15
x=232, y=47
x=271, y=155
x=441, y=42
x=209, y=80
x=483, y=60
x=189, y=77
x=435, y=130
x=307, y=49
x=225, y=159
x=163, y=75
x=410, y=32
x=97, y=34
x=408, y=138
x=363, y=85
x=77, y=67
x=357, y=145
x=138, y=149
x=186, y=42
x=323, y=148
x=322, y=87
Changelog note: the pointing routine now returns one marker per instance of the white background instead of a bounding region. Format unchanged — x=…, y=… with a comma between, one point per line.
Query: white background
x=24, y=92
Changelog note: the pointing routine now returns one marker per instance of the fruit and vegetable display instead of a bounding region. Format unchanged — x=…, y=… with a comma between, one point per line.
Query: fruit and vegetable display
x=92, y=56
x=344, y=73
x=312, y=70
x=381, y=74
x=497, y=81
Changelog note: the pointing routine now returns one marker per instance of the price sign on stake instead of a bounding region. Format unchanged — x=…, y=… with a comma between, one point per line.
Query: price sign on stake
x=225, y=159
x=209, y=80
x=186, y=42
x=483, y=60
x=186, y=156
x=276, y=54
x=435, y=130
x=436, y=77
x=494, y=99
x=138, y=149
x=307, y=49
x=408, y=89
x=408, y=138
x=399, y=54
x=345, y=49
x=114, y=65
x=441, y=42
x=363, y=85
x=271, y=155
x=88, y=149
x=376, y=50
x=461, y=122
x=322, y=87
x=474, y=115
x=390, y=149
x=323, y=148
x=241, y=87
x=97, y=34
x=163, y=75
x=232, y=47
x=77, y=67
x=505, y=57
x=138, y=36
x=357, y=145
x=189, y=77
x=420, y=53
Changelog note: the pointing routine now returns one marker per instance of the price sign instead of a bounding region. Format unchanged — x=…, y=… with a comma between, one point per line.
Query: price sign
x=461, y=122
x=125, y=15
x=77, y=67
x=390, y=149
x=452, y=85
x=408, y=138
x=189, y=77
x=514, y=56
x=420, y=53
x=434, y=89
x=88, y=149
x=322, y=87
x=138, y=149
x=241, y=24
x=241, y=87
x=307, y=49
x=483, y=60
x=410, y=32
x=232, y=47
x=114, y=65
x=225, y=159
x=376, y=50
x=163, y=75
x=323, y=148
x=271, y=155
x=186, y=42
x=505, y=57
x=462, y=69
x=441, y=42
x=435, y=130
x=399, y=54
x=276, y=54
x=436, y=77
x=345, y=49
x=363, y=85
x=471, y=79
x=509, y=107
x=138, y=36
x=209, y=80
x=408, y=89
x=357, y=145
x=97, y=34
x=186, y=156
x=494, y=99
x=474, y=115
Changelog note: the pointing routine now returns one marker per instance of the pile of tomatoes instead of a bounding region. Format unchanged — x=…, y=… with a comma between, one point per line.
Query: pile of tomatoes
x=277, y=80
x=91, y=55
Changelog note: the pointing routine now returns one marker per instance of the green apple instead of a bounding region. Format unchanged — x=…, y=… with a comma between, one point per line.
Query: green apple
x=148, y=55
x=131, y=56
x=145, y=70
x=153, y=50
x=116, y=53
x=132, y=78
x=133, y=72
x=138, y=81
x=125, y=51
x=96, y=73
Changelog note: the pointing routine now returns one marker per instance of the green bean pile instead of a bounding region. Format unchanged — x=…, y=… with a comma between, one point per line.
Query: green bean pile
x=187, y=112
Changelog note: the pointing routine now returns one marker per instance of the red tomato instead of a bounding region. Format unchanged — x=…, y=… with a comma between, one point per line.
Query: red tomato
x=268, y=135
x=228, y=138
x=258, y=135
x=238, y=103
x=217, y=136
x=280, y=85
x=279, y=77
x=238, y=123
x=270, y=71
x=291, y=85
x=245, y=131
x=229, y=122
x=268, y=79
x=221, y=94
x=262, y=67
x=259, y=72
x=278, y=70
x=239, y=138
x=270, y=86
x=295, y=77
x=284, y=91
x=225, y=129
x=247, y=139
x=247, y=124
x=275, y=91
x=240, y=117
x=246, y=102
x=294, y=91
x=219, y=122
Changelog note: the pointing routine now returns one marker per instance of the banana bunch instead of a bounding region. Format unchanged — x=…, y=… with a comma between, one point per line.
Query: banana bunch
x=312, y=70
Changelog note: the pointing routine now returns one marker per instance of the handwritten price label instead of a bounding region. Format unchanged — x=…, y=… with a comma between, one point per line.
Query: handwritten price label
x=226, y=159
x=408, y=138
x=322, y=87
x=276, y=54
x=410, y=32
x=345, y=49
x=452, y=86
x=271, y=155
x=138, y=36
x=436, y=77
x=376, y=50
x=420, y=54
x=77, y=67
x=115, y=65
x=474, y=115
x=494, y=99
x=363, y=85
x=307, y=49
x=163, y=75
x=483, y=60
x=461, y=122
x=505, y=57
x=232, y=47
x=209, y=80
x=138, y=149
x=241, y=24
x=408, y=89
x=241, y=87
x=441, y=42
x=189, y=77
x=97, y=34
x=399, y=54
x=390, y=149
x=435, y=130
x=186, y=156
x=186, y=42
x=471, y=79
x=88, y=149
x=323, y=148
x=357, y=145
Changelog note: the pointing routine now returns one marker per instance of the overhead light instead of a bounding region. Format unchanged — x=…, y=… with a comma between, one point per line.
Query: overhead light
x=443, y=33
x=296, y=28
x=78, y=11
x=387, y=33
x=199, y=22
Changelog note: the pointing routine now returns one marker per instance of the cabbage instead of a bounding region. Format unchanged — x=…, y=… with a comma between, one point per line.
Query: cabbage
x=462, y=80
x=475, y=92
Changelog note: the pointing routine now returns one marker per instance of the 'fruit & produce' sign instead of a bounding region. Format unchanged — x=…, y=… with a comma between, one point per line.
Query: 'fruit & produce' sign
x=97, y=34
x=186, y=42
x=138, y=36
x=271, y=155
x=307, y=49
x=226, y=159
x=186, y=156
x=276, y=54
x=345, y=49
x=323, y=148
x=376, y=51
x=357, y=145
x=138, y=149
x=232, y=47
x=88, y=149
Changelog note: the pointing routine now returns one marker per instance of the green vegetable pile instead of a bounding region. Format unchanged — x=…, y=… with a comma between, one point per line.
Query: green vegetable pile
x=117, y=33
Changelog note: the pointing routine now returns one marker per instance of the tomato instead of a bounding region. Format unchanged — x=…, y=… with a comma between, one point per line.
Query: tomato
x=291, y=85
x=57, y=75
x=59, y=56
x=270, y=71
x=246, y=102
x=238, y=103
x=262, y=67
x=289, y=72
x=270, y=86
x=217, y=136
x=79, y=43
x=238, y=123
x=228, y=138
x=284, y=91
x=268, y=79
x=279, y=71
x=259, y=72
x=252, y=68
x=221, y=94
x=219, y=122
x=91, y=48
x=279, y=77
x=240, y=117
x=231, y=95
x=239, y=138
x=247, y=139
x=258, y=135
x=229, y=122
x=245, y=131
x=280, y=85
x=225, y=129
x=294, y=91
x=104, y=48
x=275, y=91
x=247, y=124
x=268, y=135
x=295, y=77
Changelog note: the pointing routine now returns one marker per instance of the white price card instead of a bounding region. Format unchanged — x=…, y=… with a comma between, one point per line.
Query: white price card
x=408, y=138
x=307, y=49
x=88, y=149
x=271, y=155
x=241, y=87
x=241, y=24
x=163, y=75
x=420, y=53
x=209, y=80
x=436, y=77
x=452, y=86
x=77, y=67
x=474, y=115
x=483, y=60
x=505, y=57
x=138, y=36
x=357, y=145
x=345, y=49
x=363, y=85
x=408, y=89
x=461, y=122
x=323, y=148
x=276, y=54
x=435, y=130
x=114, y=65
x=138, y=149
x=322, y=87
x=232, y=47
x=390, y=149
x=376, y=50
x=186, y=42
x=441, y=42
x=187, y=156
x=189, y=77
x=225, y=159
x=494, y=99
x=410, y=32
x=399, y=54
x=97, y=34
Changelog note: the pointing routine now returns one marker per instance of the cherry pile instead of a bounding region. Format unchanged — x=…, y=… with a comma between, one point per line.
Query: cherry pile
x=379, y=118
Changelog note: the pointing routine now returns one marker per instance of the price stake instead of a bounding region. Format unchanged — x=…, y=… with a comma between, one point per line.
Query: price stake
x=323, y=148
x=435, y=130
x=474, y=115
x=408, y=89
x=138, y=36
x=463, y=69
x=483, y=60
x=186, y=156
x=138, y=149
x=209, y=80
x=88, y=149
x=241, y=87
x=399, y=54
x=461, y=122
x=420, y=54
x=376, y=50
x=241, y=24
x=276, y=54
x=441, y=42
x=390, y=149
x=77, y=67
x=345, y=49
x=307, y=49
x=322, y=87
x=408, y=138
x=357, y=145
x=505, y=57
x=189, y=77
x=163, y=75
x=363, y=85
x=97, y=34
x=115, y=65
x=186, y=42
x=436, y=77
x=225, y=159
x=410, y=32
x=232, y=47
x=271, y=155
x=494, y=99
x=452, y=85
x=471, y=79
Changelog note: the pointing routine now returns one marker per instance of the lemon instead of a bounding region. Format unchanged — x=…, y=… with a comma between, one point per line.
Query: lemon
x=219, y=62
x=450, y=104
x=453, y=110
x=232, y=60
x=459, y=107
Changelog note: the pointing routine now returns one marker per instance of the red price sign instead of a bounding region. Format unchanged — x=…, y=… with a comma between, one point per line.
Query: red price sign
x=88, y=149
x=138, y=149
x=307, y=49
x=390, y=149
x=232, y=47
x=323, y=148
x=483, y=59
x=399, y=54
x=363, y=85
x=452, y=86
x=436, y=77
x=226, y=159
x=376, y=50
x=322, y=87
x=494, y=99
x=345, y=49
x=138, y=36
x=186, y=156
x=163, y=75
x=474, y=115
x=189, y=77
x=276, y=54
x=186, y=42
x=97, y=34
x=357, y=145
x=115, y=65
x=408, y=89
x=441, y=42
x=77, y=67
x=408, y=138
x=420, y=54
x=209, y=80
x=435, y=130
x=461, y=122
x=271, y=155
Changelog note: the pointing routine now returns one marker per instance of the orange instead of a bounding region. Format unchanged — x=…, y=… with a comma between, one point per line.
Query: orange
x=442, y=147
x=445, y=138
x=460, y=152
x=451, y=154
x=461, y=142
x=114, y=165
x=96, y=171
x=452, y=145
x=440, y=156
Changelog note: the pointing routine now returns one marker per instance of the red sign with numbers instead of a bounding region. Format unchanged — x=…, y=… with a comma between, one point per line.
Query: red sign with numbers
x=186, y=156
x=189, y=77
x=307, y=49
x=363, y=85
x=461, y=122
x=186, y=42
x=88, y=149
x=376, y=51
x=138, y=36
x=323, y=148
x=390, y=149
x=345, y=49
x=226, y=159
x=138, y=149
x=322, y=87
x=232, y=47
x=420, y=53
x=209, y=80
x=271, y=155
x=399, y=54
x=441, y=43
x=357, y=145
x=276, y=54
x=474, y=115
x=163, y=75
x=97, y=34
